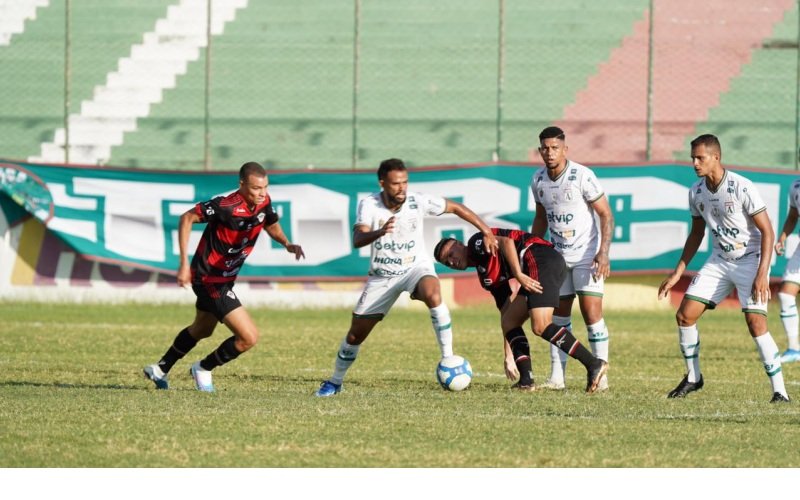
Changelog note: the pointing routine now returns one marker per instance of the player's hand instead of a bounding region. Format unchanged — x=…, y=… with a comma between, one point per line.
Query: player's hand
x=388, y=227
x=184, y=275
x=490, y=243
x=667, y=284
x=297, y=250
x=761, y=293
x=510, y=368
x=529, y=283
x=602, y=266
x=780, y=247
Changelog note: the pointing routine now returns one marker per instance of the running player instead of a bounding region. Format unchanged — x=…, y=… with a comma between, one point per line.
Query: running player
x=540, y=270
x=234, y=223
x=730, y=206
x=391, y=222
x=791, y=279
x=568, y=197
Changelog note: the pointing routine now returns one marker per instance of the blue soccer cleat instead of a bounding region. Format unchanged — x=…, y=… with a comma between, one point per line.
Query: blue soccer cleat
x=202, y=378
x=790, y=355
x=327, y=389
x=158, y=377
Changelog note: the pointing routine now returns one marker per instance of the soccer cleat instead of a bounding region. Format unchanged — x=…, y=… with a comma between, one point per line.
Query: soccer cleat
x=779, y=398
x=158, y=377
x=553, y=385
x=602, y=386
x=595, y=374
x=202, y=378
x=685, y=387
x=790, y=355
x=525, y=387
x=327, y=389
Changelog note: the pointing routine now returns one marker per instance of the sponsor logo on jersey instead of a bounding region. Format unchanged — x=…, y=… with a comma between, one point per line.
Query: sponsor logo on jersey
x=568, y=195
x=387, y=260
x=232, y=272
x=395, y=246
x=209, y=210
x=714, y=211
x=261, y=217
x=729, y=207
x=560, y=218
x=239, y=210
x=725, y=231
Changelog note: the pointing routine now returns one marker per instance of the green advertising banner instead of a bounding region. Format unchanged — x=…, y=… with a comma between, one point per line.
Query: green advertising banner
x=130, y=216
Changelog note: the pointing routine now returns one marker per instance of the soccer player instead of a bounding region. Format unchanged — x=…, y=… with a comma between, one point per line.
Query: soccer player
x=741, y=234
x=391, y=222
x=568, y=197
x=234, y=223
x=791, y=279
x=540, y=270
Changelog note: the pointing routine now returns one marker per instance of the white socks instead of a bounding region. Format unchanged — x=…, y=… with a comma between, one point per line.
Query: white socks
x=598, y=339
x=442, y=327
x=344, y=358
x=558, y=358
x=770, y=356
x=789, y=319
x=689, y=340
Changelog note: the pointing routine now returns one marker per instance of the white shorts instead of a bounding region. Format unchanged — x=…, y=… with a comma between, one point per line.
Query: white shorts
x=718, y=277
x=792, y=272
x=380, y=292
x=580, y=280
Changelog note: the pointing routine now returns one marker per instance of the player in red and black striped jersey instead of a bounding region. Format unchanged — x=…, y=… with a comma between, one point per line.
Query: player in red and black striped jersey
x=234, y=223
x=539, y=269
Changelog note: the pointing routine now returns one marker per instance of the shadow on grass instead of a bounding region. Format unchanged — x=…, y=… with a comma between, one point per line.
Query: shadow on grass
x=59, y=385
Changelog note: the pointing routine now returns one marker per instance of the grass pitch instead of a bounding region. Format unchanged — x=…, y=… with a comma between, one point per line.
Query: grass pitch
x=73, y=396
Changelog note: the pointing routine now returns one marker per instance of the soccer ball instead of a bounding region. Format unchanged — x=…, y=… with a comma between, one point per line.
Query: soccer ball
x=454, y=373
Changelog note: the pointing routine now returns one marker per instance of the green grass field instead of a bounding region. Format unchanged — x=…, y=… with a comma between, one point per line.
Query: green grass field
x=73, y=396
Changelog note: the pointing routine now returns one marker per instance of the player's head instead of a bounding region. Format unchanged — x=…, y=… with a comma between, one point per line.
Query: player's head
x=452, y=253
x=393, y=178
x=553, y=147
x=706, y=154
x=253, y=183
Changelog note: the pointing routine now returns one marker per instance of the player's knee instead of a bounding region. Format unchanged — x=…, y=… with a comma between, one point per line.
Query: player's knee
x=684, y=319
x=247, y=340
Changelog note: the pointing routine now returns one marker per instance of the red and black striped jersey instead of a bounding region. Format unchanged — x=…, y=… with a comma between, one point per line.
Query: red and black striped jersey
x=493, y=270
x=229, y=237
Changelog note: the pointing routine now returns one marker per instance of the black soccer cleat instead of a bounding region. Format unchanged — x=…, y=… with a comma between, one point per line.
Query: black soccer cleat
x=685, y=387
x=594, y=374
x=526, y=387
x=779, y=398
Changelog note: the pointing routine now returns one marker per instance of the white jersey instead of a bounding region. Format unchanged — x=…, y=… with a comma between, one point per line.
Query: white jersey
x=794, y=195
x=728, y=213
x=394, y=254
x=567, y=201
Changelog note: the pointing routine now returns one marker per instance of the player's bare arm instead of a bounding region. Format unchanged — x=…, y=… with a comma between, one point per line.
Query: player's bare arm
x=275, y=231
x=539, y=224
x=489, y=240
x=184, y=231
x=363, y=236
x=689, y=250
x=602, y=262
x=761, y=291
x=788, y=228
x=509, y=252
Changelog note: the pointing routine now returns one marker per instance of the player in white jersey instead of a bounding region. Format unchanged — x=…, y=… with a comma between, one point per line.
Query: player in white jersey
x=568, y=196
x=790, y=285
x=741, y=237
x=391, y=221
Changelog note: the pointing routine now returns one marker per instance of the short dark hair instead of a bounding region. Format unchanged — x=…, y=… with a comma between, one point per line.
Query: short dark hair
x=439, y=246
x=388, y=166
x=552, y=132
x=251, y=168
x=708, y=140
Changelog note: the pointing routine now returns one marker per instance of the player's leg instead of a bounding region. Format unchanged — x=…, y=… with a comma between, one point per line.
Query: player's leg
x=708, y=288
x=376, y=300
x=590, y=299
x=228, y=310
x=513, y=316
x=202, y=327
x=428, y=290
x=787, y=296
x=755, y=314
x=562, y=317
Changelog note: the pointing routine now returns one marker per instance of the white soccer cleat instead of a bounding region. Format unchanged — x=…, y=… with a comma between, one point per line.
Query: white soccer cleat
x=553, y=385
x=158, y=377
x=202, y=378
x=603, y=384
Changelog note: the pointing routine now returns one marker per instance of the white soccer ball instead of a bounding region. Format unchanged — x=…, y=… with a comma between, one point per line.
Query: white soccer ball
x=454, y=373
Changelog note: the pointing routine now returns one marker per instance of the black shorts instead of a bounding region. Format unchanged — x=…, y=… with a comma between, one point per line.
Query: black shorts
x=216, y=298
x=547, y=266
